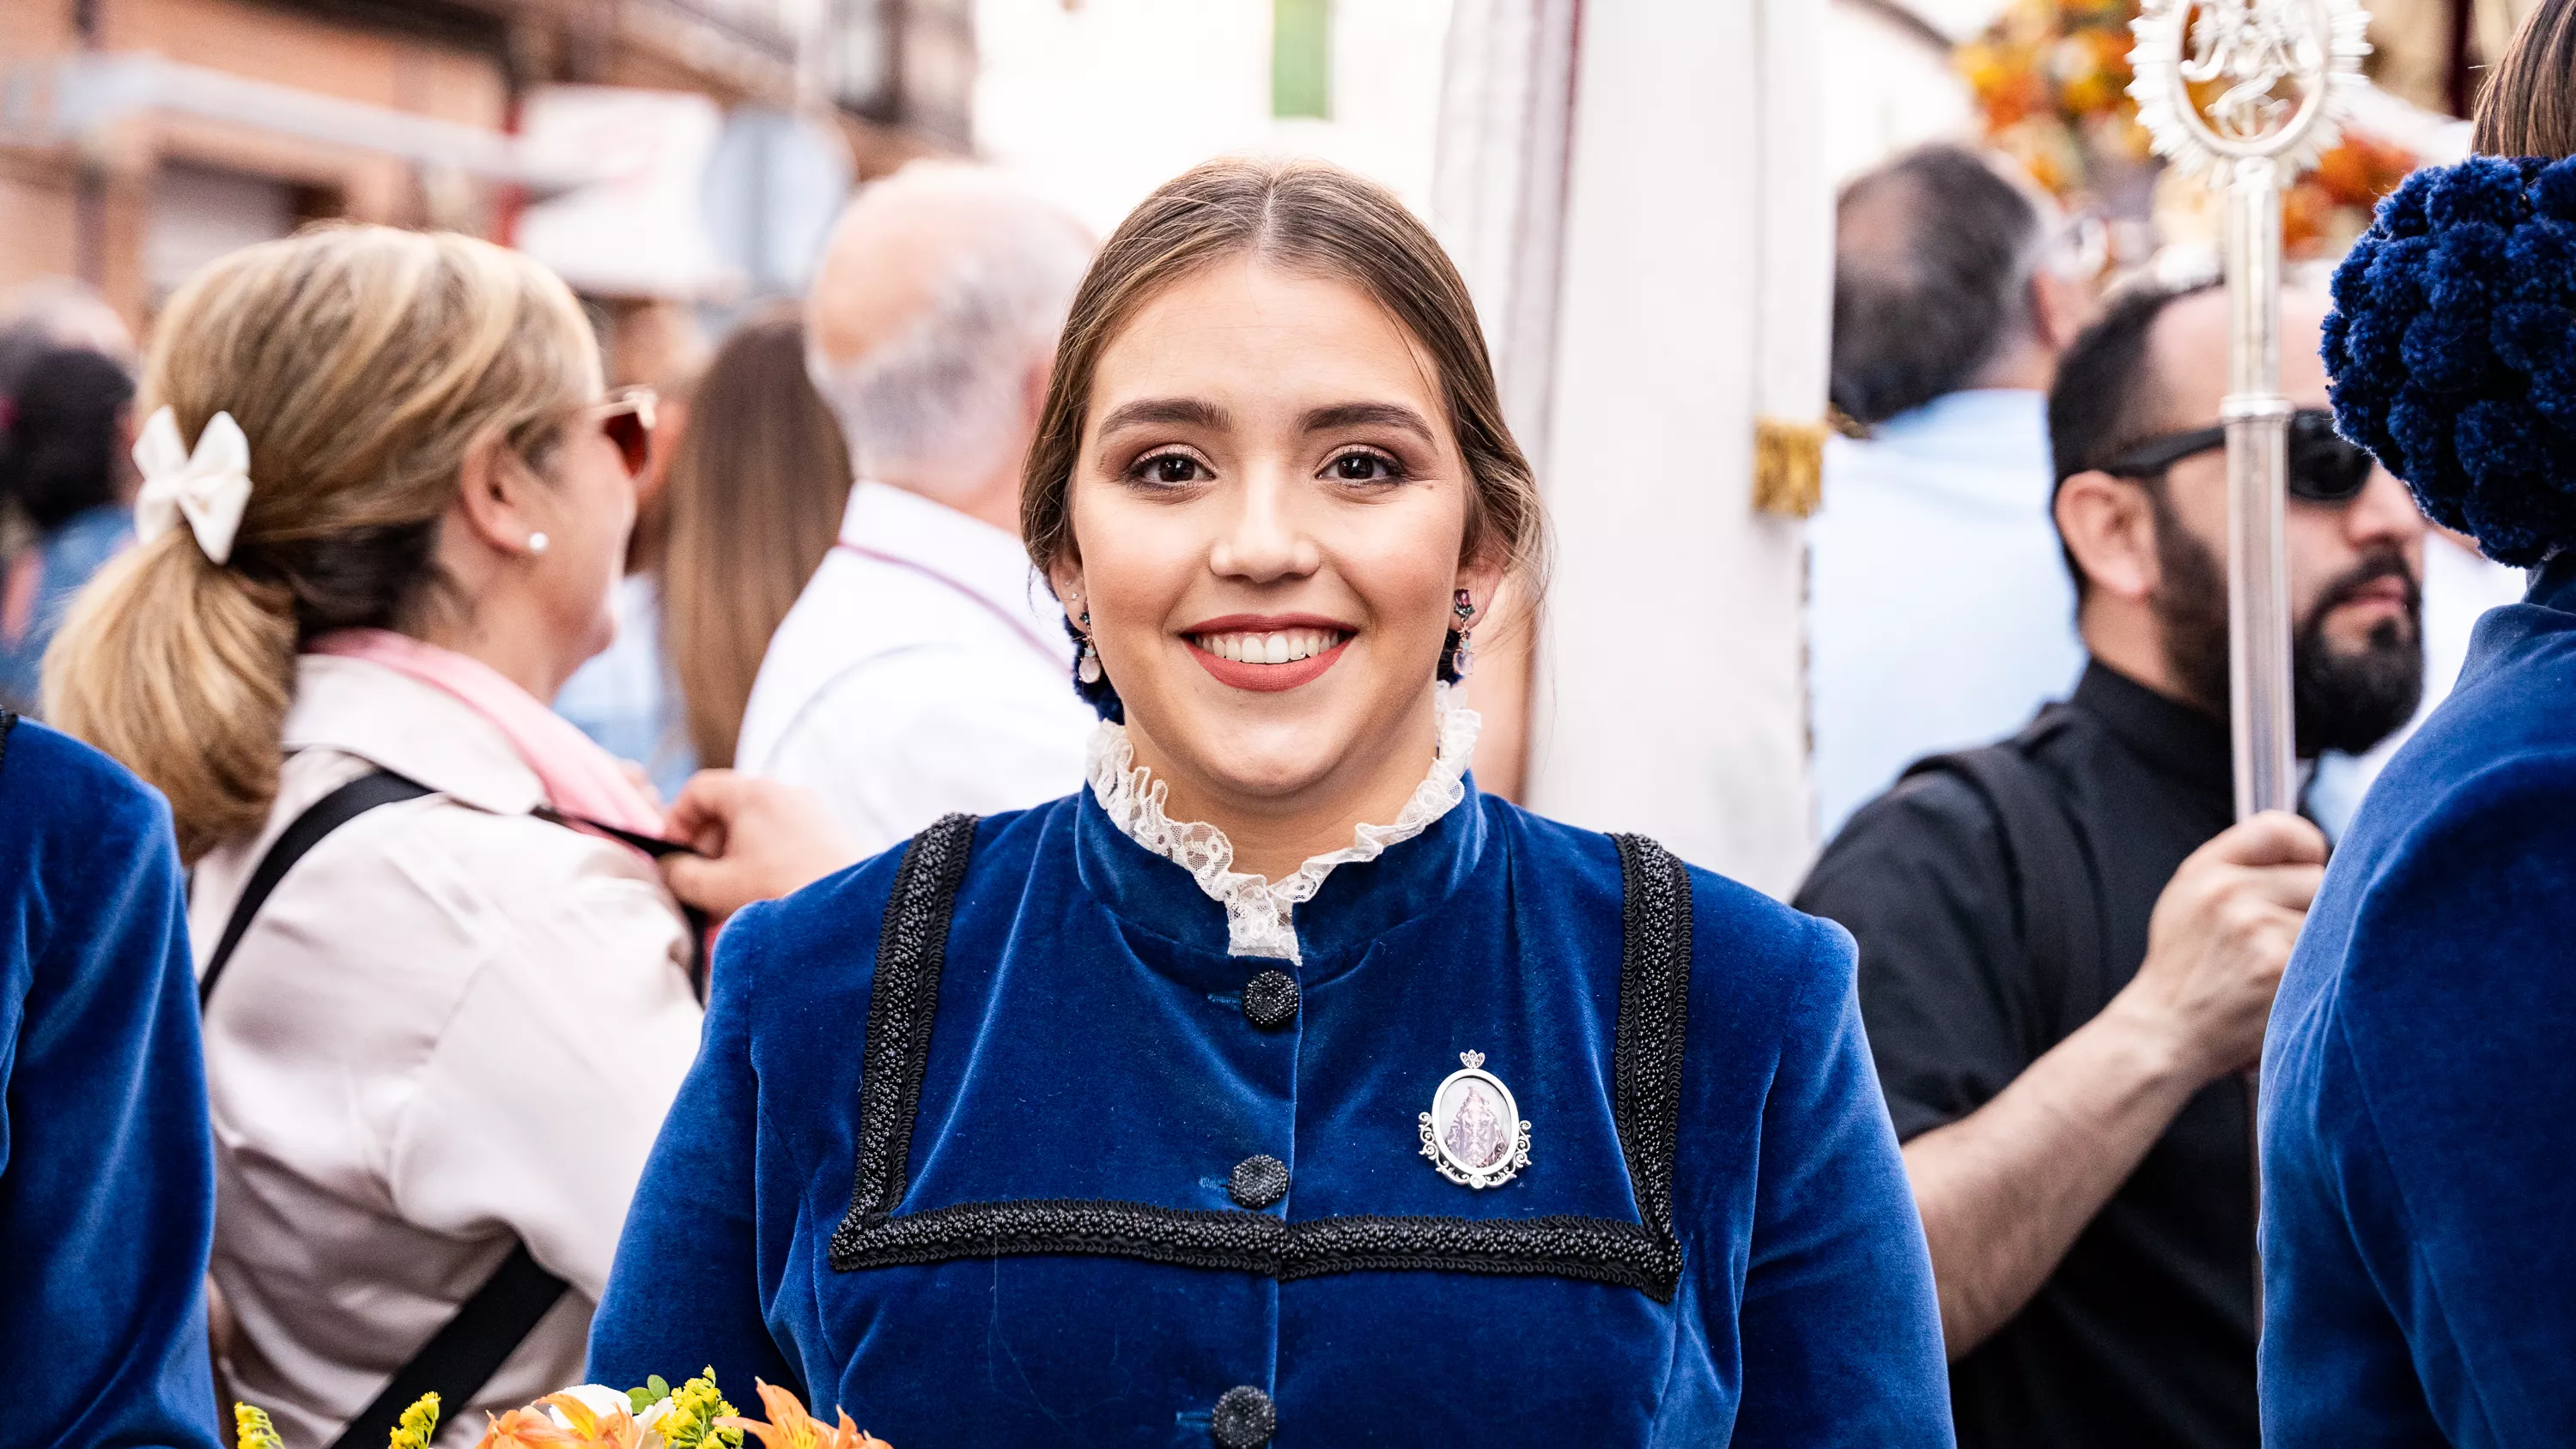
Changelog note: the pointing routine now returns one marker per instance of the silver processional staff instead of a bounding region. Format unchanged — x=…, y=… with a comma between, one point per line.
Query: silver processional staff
x=2249, y=93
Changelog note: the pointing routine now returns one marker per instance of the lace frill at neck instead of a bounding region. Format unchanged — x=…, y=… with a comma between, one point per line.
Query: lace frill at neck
x=1259, y=912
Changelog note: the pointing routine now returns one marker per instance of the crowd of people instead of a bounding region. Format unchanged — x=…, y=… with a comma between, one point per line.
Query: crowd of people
x=925, y=853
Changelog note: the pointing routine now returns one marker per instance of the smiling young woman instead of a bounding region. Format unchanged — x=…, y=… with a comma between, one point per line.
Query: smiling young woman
x=1279, y=1086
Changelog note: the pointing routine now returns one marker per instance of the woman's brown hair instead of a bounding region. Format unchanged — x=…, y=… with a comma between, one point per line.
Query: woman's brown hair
x=753, y=503
x=1320, y=220
x=2529, y=105
x=363, y=364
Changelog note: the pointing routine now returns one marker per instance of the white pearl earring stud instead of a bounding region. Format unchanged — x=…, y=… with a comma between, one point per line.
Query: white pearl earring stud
x=537, y=542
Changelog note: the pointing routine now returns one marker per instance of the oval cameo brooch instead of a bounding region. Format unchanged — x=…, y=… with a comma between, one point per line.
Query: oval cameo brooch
x=1474, y=1133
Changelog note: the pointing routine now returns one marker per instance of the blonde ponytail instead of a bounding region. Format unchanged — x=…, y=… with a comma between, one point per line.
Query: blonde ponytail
x=183, y=670
x=363, y=365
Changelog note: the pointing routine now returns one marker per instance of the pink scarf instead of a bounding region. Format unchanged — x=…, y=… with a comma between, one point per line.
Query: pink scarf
x=580, y=779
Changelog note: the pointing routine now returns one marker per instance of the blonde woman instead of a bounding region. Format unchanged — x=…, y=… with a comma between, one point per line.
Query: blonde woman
x=385, y=504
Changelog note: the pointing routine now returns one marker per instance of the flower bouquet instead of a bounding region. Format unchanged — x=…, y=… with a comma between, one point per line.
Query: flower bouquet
x=594, y=1416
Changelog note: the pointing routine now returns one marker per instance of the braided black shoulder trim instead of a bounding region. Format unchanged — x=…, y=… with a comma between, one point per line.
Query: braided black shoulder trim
x=1654, y=983
x=1654, y=1022
x=912, y=949
x=1601, y=1250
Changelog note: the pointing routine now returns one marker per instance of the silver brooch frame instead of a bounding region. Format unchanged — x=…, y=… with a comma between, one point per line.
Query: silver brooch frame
x=1486, y=1151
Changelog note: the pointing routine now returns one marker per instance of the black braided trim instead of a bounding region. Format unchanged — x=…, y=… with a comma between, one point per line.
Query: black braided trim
x=1654, y=1019
x=1654, y=984
x=912, y=948
x=1600, y=1250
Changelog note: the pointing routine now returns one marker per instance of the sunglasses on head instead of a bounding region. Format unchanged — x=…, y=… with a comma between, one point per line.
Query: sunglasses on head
x=2324, y=467
x=625, y=419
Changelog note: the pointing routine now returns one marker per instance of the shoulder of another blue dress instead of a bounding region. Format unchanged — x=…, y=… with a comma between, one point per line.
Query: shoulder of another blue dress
x=828, y=930
x=78, y=804
x=2488, y=774
x=1747, y=949
x=2449, y=890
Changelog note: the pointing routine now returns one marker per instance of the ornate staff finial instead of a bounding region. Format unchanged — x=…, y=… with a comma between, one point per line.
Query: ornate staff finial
x=2285, y=72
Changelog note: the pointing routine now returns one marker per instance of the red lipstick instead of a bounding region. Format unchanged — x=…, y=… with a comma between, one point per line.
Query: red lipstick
x=1267, y=678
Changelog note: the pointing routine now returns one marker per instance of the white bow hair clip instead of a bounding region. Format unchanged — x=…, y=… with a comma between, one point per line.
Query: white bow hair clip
x=209, y=487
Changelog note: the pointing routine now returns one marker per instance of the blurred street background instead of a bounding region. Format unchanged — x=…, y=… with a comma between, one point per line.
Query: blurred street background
x=1640, y=192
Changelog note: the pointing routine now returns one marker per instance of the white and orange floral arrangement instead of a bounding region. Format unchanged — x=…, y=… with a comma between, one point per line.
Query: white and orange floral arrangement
x=594, y=1416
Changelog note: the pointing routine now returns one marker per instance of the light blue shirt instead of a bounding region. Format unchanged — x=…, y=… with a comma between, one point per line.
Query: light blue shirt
x=1939, y=614
x=626, y=697
x=64, y=560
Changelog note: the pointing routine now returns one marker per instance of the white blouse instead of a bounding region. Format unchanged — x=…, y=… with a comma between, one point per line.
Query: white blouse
x=1259, y=912
x=450, y=1025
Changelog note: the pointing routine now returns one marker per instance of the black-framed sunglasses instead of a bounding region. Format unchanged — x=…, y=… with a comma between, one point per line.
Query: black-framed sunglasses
x=2324, y=466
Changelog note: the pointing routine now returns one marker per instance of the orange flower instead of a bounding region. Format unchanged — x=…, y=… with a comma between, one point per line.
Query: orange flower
x=592, y=1429
x=534, y=1428
x=2363, y=169
x=525, y=1429
x=790, y=1427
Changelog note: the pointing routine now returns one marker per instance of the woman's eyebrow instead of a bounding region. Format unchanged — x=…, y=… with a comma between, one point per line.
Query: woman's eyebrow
x=1186, y=412
x=1362, y=415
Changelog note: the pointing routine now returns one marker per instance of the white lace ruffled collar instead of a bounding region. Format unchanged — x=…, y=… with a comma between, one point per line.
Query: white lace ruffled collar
x=1259, y=913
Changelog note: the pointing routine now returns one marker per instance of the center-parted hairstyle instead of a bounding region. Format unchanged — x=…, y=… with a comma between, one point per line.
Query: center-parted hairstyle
x=363, y=364
x=1318, y=220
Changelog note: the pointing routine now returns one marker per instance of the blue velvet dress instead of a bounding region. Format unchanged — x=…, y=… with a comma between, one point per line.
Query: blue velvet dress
x=965, y=1151
x=2419, y=1083
x=107, y=1164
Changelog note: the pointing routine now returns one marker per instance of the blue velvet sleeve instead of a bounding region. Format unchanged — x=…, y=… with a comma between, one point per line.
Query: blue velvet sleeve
x=107, y=1199
x=1840, y=1330
x=2420, y=1119
x=689, y=1289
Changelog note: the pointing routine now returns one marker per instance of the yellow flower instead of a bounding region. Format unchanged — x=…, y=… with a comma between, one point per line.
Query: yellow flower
x=696, y=1411
x=419, y=1425
x=790, y=1427
x=252, y=1430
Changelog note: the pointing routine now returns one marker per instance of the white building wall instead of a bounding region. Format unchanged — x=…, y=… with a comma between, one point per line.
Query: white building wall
x=1890, y=84
x=1098, y=103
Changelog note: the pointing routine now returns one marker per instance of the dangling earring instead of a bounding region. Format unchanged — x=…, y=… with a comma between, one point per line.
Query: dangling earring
x=1464, y=610
x=1087, y=668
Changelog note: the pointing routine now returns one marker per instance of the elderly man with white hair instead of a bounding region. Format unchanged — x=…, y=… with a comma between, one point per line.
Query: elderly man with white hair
x=922, y=671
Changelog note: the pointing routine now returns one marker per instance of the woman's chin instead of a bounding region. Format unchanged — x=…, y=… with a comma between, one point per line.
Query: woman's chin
x=1253, y=758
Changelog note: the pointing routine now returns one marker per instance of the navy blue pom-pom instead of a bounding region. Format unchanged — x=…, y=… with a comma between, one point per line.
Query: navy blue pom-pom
x=2451, y=351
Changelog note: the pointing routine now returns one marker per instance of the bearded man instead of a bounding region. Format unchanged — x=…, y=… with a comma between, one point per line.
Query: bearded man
x=2067, y=946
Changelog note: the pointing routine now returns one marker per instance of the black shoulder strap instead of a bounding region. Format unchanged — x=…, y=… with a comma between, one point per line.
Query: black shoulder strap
x=2054, y=900
x=488, y=1327
x=365, y=793
x=466, y=1351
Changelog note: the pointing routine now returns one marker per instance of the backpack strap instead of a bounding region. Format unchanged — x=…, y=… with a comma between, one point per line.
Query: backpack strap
x=2056, y=903
x=461, y=1357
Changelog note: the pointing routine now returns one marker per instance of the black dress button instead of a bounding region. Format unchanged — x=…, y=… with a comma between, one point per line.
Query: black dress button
x=1258, y=1182
x=1244, y=1418
x=1270, y=1000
